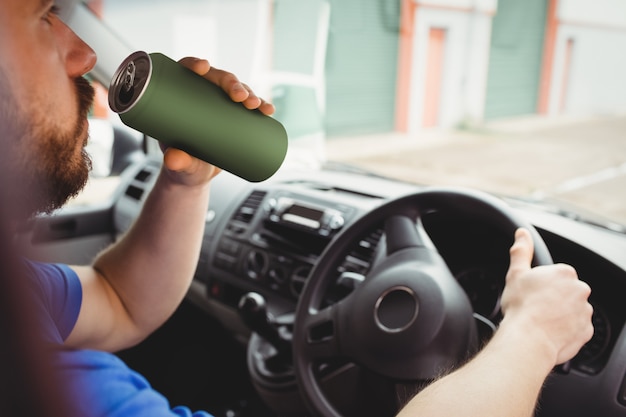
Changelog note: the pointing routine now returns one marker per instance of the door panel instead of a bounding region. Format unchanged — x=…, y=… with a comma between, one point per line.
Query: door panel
x=73, y=236
x=515, y=58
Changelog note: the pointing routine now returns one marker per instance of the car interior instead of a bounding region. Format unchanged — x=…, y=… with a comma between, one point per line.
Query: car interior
x=310, y=285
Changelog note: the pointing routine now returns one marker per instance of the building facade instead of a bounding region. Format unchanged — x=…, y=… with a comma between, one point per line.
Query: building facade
x=464, y=62
x=345, y=67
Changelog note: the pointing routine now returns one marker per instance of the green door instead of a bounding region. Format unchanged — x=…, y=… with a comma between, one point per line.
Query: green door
x=360, y=64
x=515, y=58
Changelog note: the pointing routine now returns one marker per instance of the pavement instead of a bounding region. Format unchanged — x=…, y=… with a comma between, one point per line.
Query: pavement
x=581, y=161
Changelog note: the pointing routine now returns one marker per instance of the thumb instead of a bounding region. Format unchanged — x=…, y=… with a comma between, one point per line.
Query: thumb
x=521, y=253
x=176, y=160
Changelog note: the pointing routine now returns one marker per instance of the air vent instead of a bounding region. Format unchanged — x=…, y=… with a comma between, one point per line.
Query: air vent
x=143, y=175
x=246, y=211
x=360, y=258
x=134, y=192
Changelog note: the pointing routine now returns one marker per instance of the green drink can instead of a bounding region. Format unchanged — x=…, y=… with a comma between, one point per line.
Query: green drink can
x=159, y=97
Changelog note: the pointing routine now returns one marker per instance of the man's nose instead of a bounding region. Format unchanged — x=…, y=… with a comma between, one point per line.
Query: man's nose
x=80, y=58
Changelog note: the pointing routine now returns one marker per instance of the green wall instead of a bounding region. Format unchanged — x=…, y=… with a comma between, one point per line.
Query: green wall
x=515, y=58
x=361, y=63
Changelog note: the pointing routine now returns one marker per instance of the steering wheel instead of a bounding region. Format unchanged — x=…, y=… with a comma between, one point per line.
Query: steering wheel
x=409, y=319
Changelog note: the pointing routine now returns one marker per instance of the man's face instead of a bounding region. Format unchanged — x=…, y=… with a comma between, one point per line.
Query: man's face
x=44, y=103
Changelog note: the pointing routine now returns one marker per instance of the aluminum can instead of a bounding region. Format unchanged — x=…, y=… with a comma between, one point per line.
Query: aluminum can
x=157, y=96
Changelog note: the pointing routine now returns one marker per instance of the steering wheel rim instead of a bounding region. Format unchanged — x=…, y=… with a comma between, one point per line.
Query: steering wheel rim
x=314, y=323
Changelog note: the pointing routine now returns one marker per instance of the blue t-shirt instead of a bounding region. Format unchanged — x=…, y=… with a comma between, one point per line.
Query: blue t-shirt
x=99, y=383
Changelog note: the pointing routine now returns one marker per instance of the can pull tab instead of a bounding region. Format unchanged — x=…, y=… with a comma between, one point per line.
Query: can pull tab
x=128, y=88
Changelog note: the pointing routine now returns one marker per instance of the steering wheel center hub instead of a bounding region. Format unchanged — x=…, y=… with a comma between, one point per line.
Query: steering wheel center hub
x=396, y=309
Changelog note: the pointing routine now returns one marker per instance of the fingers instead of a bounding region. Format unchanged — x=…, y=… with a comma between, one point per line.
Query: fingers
x=549, y=302
x=236, y=90
x=581, y=321
x=521, y=253
x=197, y=65
x=231, y=84
x=252, y=101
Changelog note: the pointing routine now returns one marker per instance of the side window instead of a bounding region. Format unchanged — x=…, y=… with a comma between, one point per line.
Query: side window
x=101, y=135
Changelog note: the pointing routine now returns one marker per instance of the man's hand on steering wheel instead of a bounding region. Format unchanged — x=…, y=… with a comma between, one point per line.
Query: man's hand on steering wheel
x=530, y=297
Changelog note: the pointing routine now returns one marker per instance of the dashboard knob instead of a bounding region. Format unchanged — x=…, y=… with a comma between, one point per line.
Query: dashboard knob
x=271, y=204
x=336, y=221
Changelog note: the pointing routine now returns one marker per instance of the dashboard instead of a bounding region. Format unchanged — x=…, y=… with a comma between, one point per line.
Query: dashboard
x=266, y=238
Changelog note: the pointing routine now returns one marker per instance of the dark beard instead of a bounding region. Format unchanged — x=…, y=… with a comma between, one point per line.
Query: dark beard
x=40, y=166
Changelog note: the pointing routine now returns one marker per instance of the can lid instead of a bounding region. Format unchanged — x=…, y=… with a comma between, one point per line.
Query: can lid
x=130, y=81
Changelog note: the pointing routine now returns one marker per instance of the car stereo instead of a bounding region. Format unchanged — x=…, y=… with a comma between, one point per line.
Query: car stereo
x=308, y=217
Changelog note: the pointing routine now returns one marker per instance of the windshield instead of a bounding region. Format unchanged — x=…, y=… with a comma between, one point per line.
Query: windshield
x=523, y=99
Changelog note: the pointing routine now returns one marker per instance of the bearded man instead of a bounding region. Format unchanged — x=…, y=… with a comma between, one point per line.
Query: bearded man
x=83, y=313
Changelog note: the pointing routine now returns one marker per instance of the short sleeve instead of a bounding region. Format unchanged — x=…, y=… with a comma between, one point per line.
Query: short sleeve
x=58, y=297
